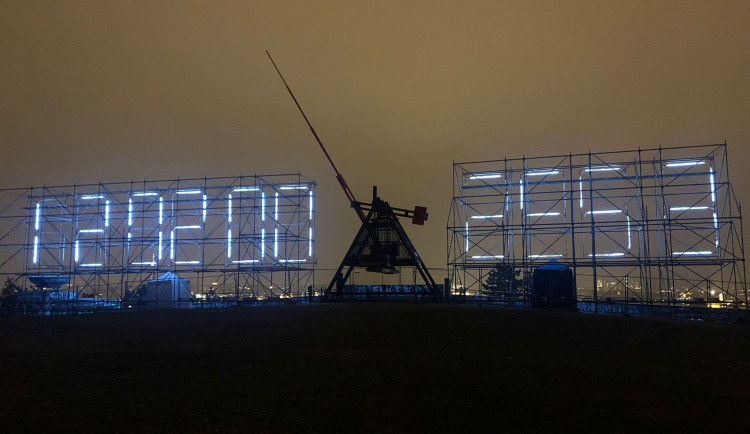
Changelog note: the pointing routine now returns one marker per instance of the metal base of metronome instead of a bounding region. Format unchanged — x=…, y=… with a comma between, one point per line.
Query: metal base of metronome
x=382, y=246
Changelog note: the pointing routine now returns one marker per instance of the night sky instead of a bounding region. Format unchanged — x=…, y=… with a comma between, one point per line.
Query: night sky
x=112, y=91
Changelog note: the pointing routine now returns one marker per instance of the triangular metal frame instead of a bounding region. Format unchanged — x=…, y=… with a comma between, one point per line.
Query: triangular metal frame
x=380, y=216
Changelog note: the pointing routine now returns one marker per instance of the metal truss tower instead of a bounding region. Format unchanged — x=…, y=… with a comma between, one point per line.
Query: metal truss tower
x=245, y=236
x=651, y=226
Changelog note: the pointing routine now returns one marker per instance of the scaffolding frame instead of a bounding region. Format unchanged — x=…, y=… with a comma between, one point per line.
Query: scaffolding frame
x=648, y=226
x=246, y=237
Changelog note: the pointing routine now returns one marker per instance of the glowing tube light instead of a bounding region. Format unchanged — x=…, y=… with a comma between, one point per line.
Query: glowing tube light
x=713, y=186
x=628, y=218
x=542, y=172
x=38, y=218
x=479, y=217
x=145, y=193
x=229, y=208
x=263, y=206
x=276, y=242
x=188, y=227
x=604, y=211
x=246, y=261
x=689, y=208
x=76, y=252
x=467, y=236
x=693, y=253
x=92, y=196
x=106, y=214
x=486, y=176
x=543, y=214
x=243, y=189
x=171, y=245
x=292, y=260
x=684, y=163
x=263, y=243
x=161, y=210
x=521, y=192
x=607, y=255
x=205, y=207
x=488, y=257
x=189, y=191
x=161, y=237
x=309, y=242
x=148, y=264
x=36, y=249
x=293, y=187
x=544, y=256
x=310, y=216
x=276, y=207
x=92, y=265
x=602, y=169
x=89, y=231
x=229, y=243
x=187, y=262
x=130, y=212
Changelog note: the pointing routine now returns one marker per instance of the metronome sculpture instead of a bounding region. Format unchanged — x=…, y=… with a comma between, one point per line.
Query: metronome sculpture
x=381, y=245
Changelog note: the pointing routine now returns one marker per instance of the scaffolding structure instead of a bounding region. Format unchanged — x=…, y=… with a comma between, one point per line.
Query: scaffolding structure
x=651, y=226
x=244, y=236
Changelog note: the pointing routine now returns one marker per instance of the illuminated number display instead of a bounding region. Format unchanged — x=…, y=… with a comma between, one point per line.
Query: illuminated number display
x=241, y=225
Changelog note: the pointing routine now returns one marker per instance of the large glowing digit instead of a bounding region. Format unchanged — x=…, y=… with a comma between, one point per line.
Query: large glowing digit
x=92, y=220
x=186, y=237
x=245, y=232
x=145, y=232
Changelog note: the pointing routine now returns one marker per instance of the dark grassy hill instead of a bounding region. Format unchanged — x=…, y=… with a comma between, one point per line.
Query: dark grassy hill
x=371, y=367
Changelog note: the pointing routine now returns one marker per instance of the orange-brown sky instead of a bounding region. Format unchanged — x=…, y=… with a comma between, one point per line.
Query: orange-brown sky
x=110, y=91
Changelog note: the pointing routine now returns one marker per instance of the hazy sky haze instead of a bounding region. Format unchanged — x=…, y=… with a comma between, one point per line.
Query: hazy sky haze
x=112, y=91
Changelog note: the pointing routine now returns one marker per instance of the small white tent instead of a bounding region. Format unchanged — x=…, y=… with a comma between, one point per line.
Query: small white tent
x=167, y=291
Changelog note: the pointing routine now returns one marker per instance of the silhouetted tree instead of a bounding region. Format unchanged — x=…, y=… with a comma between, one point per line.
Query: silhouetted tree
x=503, y=278
x=10, y=288
x=8, y=297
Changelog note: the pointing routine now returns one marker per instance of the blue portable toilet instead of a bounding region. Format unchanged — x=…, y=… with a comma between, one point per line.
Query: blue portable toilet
x=553, y=287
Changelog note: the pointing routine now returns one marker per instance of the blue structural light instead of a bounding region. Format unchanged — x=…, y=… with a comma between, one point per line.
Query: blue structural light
x=482, y=257
x=543, y=214
x=36, y=249
x=542, y=172
x=37, y=220
x=229, y=208
x=684, y=163
x=485, y=176
x=205, y=207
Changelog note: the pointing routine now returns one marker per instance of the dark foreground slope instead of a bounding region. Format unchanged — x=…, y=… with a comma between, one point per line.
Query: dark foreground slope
x=371, y=367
